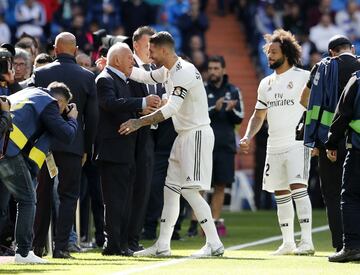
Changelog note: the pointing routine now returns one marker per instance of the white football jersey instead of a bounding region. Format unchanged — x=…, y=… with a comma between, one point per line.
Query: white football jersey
x=187, y=99
x=280, y=95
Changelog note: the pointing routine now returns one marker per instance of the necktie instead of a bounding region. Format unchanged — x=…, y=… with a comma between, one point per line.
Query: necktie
x=151, y=88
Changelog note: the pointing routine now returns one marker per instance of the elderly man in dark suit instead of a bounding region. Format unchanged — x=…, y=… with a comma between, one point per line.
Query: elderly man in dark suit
x=68, y=158
x=116, y=153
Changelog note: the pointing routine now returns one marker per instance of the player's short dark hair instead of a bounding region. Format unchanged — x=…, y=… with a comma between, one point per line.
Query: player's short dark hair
x=43, y=58
x=144, y=30
x=288, y=44
x=60, y=88
x=162, y=39
x=218, y=59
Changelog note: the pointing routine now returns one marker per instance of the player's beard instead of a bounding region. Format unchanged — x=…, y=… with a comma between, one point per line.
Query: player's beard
x=277, y=63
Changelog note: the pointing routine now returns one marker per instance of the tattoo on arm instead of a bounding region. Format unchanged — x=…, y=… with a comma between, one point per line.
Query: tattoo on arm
x=153, y=118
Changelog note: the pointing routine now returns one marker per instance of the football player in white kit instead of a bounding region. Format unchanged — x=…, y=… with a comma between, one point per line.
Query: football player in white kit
x=287, y=161
x=190, y=161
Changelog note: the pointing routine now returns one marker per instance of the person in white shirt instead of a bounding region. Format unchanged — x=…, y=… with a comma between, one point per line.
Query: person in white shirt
x=190, y=162
x=287, y=161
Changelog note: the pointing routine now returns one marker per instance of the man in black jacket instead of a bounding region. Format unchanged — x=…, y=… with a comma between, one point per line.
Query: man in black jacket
x=116, y=153
x=346, y=122
x=67, y=157
x=226, y=110
x=144, y=157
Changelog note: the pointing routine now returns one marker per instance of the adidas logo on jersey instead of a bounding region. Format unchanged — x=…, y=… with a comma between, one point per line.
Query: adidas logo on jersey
x=188, y=179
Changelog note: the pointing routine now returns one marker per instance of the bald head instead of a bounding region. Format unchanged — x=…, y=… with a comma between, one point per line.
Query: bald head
x=65, y=42
x=120, y=57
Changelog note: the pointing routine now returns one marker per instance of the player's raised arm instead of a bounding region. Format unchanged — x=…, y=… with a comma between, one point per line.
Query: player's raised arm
x=151, y=77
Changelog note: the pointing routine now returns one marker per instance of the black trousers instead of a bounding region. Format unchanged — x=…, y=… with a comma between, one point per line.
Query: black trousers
x=350, y=200
x=43, y=207
x=117, y=184
x=142, y=185
x=330, y=181
x=156, y=199
x=91, y=190
x=69, y=166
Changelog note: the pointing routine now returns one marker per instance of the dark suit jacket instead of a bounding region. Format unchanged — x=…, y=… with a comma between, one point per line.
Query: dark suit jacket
x=116, y=106
x=145, y=147
x=81, y=83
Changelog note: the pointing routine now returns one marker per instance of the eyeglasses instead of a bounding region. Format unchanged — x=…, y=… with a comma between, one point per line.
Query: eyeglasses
x=20, y=65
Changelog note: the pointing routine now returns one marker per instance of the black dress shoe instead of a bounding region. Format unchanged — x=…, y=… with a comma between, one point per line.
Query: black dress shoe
x=62, y=254
x=73, y=247
x=127, y=252
x=110, y=252
x=345, y=255
x=39, y=251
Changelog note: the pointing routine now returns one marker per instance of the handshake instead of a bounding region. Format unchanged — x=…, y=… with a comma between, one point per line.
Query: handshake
x=153, y=102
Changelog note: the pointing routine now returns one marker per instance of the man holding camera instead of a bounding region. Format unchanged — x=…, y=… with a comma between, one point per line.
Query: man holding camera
x=8, y=84
x=36, y=118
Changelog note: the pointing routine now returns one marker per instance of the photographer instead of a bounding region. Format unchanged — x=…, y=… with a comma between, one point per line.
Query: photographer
x=35, y=121
x=8, y=85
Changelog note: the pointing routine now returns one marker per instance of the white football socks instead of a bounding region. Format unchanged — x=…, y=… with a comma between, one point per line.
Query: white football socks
x=202, y=212
x=285, y=212
x=304, y=212
x=169, y=215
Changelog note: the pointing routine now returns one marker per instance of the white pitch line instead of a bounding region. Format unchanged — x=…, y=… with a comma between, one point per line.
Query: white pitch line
x=231, y=248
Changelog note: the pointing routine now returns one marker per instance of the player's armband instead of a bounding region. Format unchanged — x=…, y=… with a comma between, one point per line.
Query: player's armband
x=179, y=91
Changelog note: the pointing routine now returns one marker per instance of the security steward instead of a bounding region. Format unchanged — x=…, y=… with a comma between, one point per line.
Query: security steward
x=341, y=52
x=36, y=117
x=347, y=120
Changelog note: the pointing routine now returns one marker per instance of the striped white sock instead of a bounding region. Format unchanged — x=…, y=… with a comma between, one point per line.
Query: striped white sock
x=304, y=212
x=285, y=212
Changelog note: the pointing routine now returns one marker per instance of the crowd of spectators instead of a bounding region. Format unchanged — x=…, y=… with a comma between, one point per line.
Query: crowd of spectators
x=313, y=23
x=186, y=20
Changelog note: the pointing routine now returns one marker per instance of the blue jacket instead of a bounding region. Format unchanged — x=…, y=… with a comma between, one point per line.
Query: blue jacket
x=31, y=132
x=322, y=103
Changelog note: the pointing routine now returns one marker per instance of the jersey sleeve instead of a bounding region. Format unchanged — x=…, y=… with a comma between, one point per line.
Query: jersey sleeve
x=183, y=80
x=152, y=77
x=261, y=102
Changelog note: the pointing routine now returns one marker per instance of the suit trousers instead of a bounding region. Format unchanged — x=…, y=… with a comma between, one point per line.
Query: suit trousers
x=69, y=166
x=330, y=180
x=156, y=200
x=350, y=200
x=142, y=185
x=117, y=181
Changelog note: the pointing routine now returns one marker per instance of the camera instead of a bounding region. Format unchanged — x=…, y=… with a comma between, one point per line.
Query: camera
x=103, y=41
x=7, y=53
x=5, y=61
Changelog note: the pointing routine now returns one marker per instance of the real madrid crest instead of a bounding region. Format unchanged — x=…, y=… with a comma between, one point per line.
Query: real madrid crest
x=290, y=85
x=177, y=91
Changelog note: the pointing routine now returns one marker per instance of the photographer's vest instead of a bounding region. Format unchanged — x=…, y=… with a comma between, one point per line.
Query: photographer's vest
x=322, y=102
x=354, y=131
x=27, y=136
